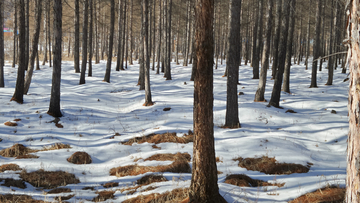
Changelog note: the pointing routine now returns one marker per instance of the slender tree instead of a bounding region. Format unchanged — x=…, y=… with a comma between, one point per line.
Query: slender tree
x=276, y=38
x=111, y=40
x=77, y=38
x=119, y=49
x=91, y=6
x=84, y=40
x=27, y=32
x=204, y=179
x=308, y=39
x=331, y=46
x=45, y=34
x=232, y=63
x=146, y=50
x=316, y=44
x=54, y=107
x=2, y=63
x=169, y=39
x=16, y=36
x=255, y=56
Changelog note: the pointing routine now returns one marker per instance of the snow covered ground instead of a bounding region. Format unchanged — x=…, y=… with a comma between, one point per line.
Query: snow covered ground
x=95, y=111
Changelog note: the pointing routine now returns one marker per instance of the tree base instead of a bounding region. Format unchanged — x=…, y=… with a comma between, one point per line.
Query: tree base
x=55, y=115
x=313, y=87
x=16, y=100
x=148, y=103
x=260, y=101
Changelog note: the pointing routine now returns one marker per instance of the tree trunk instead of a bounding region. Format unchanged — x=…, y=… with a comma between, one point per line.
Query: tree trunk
x=123, y=37
x=77, y=38
x=97, y=35
x=159, y=41
x=27, y=35
x=275, y=96
x=308, y=39
x=130, y=33
x=54, y=108
x=316, y=44
x=276, y=37
x=331, y=50
x=19, y=88
x=2, y=83
x=34, y=48
x=153, y=35
x=204, y=179
x=169, y=51
x=146, y=49
x=289, y=48
x=111, y=40
x=48, y=30
x=259, y=96
x=232, y=63
x=255, y=59
x=259, y=42
x=91, y=5
x=187, y=31
x=118, y=60
x=84, y=41
x=15, y=36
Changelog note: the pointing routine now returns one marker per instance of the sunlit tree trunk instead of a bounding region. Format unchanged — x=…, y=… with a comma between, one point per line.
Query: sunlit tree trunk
x=111, y=40
x=77, y=38
x=84, y=41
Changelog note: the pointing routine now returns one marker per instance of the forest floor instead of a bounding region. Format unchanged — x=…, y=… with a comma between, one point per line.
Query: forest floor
x=102, y=119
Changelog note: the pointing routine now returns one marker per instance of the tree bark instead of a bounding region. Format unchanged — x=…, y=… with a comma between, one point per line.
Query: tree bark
x=276, y=37
x=118, y=60
x=187, y=31
x=91, y=6
x=204, y=179
x=15, y=37
x=332, y=35
x=84, y=41
x=159, y=41
x=146, y=49
x=316, y=46
x=54, y=107
x=27, y=35
x=255, y=58
x=259, y=96
x=2, y=83
x=130, y=33
x=111, y=40
x=308, y=39
x=169, y=51
x=49, y=32
x=34, y=51
x=77, y=38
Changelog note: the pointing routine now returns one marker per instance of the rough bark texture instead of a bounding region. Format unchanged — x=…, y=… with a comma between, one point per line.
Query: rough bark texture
x=275, y=96
x=19, y=89
x=111, y=40
x=54, y=108
x=276, y=37
x=353, y=149
x=308, y=39
x=232, y=63
x=15, y=36
x=255, y=55
x=331, y=46
x=169, y=39
x=146, y=49
x=2, y=84
x=159, y=41
x=259, y=96
x=204, y=179
x=90, y=41
x=316, y=46
x=84, y=41
x=77, y=38
x=34, y=48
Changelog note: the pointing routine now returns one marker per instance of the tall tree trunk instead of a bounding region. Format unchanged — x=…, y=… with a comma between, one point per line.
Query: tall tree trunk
x=27, y=35
x=316, y=44
x=77, y=38
x=232, y=63
x=169, y=51
x=204, y=187
x=97, y=35
x=111, y=40
x=49, y=32
x=187, y=31
x=259, y=42
x=2, y=63
x=34, y=48
x=91, y=6
x=54, y=107
x=146, y=50
x=123, y=37
x=84, y=41
x=276, y=37
x=275, y=96
x=255, y=59
x=259, y=96
x=19, y=88
x=118, y=60
x=177, y=42
x=153, y=35
x=289, y=48
x=15, y=36
x=331, y=50
x=308, y=39
x=159, y=41
x=130, y=33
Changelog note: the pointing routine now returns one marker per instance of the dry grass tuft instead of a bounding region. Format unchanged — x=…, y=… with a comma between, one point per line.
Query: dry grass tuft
x=9, y=182
x=11, y=124
x=155, y=147
x=103, y=195
x=17, y=119
x=16, y=150
x=179, y=166
x=148, y=179
x=59, y=190
x=49, y=179
x=243, y=180
x=148, y=103
x=218, y=160
x=270, y=166
x=56, y=146
x=328, y=194
x=61, y=198
x=10, y=198
x=27, y=156
x=80, y=158
x=169, y=157
x=9, y=167
x=58, y=125
x=111, y=184
x=174, y=196
x=161, y=138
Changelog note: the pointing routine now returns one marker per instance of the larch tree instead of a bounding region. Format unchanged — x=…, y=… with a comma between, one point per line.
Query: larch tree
x=111, y=40
x=316, y=44
x=19, y=88
x=259, y=96
x=232, y=63
x=34, y=48
x=77, y=38
x=2, y=83
x=119, y=49
x=90, y=41
x=204, y=187
x=16, y=36
x=353, y=148
x=276, y=38
x=54, y=107
x=84, y=41
x=255, y=58
x=169, y=39
x=146, y=51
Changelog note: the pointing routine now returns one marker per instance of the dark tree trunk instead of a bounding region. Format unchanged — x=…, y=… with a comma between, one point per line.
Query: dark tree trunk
x=84, y=41
x=259, y=42
x=316, y=44
x=123, y=37
x=91, y=5
x=111, y=40
x=153, y=35
x=177, y=42
x=232, y=63
x=259, y=96
x=255, y=58
x=130, y=33
x=159, y=41
x=27, y=35
x=2, y=83
x=34, y=48
x=331, y=50
x=15, y=36
x=54, y=108
x=204, y=179
x=289, y=48
x=48, y=30
x=308, y=39
x=118, y=60
x=187, y=31
x=276, y=37
x=77, y=38
x=169, y=50
x=275, y=96
x=97, y=35
x=19, y=88
x=146, y=50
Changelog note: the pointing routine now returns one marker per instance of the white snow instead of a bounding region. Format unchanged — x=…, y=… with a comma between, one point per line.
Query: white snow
x=95, y=111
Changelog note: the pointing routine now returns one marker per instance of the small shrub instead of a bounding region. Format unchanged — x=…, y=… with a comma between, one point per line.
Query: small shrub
x=169, y=157
x=243, y=180
x=80, y=158
x=161, y=138
x=9, y=167
x=328, y=194
x=174, y=196
x=103, y=195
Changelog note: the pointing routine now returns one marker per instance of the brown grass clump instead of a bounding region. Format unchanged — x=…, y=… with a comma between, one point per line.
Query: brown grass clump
x=27, y=156
x=161, y=138
x=59, y=190
x=179, y=166
x=9, y=167
x=80, y=158
x=270, y=166
x=15, y=150
x=17, y=119
x=58, y=125
x=148, y=179
x=9, y=182
x=169, y=157
x=49, y=179
x=103, y=195
x=174, y=196
x=56, y=146
x=328, y=194
x=11, y=124
x=148, y=103
x=111, y=184
x=243, y=180
x=9, y=198
x=61, y=198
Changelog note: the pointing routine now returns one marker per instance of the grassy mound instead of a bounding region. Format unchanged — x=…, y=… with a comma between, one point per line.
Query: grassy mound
x=328, y=194
x=243, y=180
x=161, y=138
